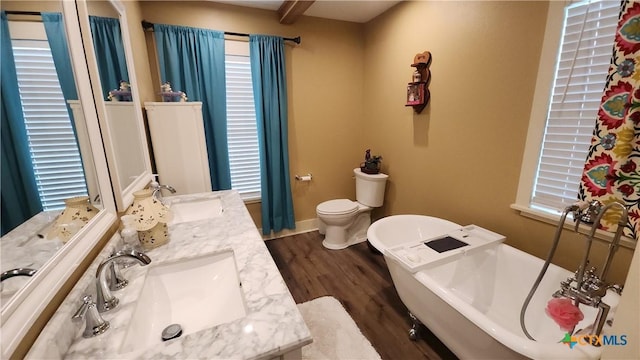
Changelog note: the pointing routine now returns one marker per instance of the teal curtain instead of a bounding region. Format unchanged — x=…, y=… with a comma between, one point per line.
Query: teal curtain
x=109, y=48
x=54, y=27
x=18, y=191
x=270, y=94
x=192, y=60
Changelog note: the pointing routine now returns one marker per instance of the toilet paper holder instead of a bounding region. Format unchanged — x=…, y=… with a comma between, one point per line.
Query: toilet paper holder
x=307, y=177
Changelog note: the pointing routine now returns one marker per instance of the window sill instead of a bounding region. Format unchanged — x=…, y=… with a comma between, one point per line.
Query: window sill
x=584, y=229
x=252, y=201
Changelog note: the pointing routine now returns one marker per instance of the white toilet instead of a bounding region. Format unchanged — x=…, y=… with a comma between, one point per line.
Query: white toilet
x=344, y=222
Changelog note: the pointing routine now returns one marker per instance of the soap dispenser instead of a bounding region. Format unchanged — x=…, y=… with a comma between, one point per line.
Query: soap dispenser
x=129, y=241
x=129, y=233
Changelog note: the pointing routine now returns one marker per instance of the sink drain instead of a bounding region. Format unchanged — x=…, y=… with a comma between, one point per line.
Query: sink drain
x=171, y=332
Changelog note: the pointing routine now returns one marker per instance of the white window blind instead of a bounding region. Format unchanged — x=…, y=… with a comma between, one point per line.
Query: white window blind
x=242, y=132
x=54, y=151
x=582, y=68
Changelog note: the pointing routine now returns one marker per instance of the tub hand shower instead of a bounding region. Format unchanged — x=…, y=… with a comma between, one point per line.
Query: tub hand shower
x=589, y=288
x=576, y=210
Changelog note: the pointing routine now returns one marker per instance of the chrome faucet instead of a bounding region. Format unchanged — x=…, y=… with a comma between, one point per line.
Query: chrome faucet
x=157, y=191
x=17, y=272
x=613, y=247
x=116, y=281
x=104, y=299
x=590, y=214
x=590, y=288
x=94, y=323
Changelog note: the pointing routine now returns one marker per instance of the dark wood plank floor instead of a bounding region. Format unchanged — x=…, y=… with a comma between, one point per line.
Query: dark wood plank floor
x=359, y=279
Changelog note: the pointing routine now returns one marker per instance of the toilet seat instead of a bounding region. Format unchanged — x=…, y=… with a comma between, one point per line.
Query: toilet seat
x=337, y=207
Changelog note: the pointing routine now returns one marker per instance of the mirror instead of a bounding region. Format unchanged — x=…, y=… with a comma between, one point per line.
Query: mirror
x=50, y=124
x=21, y=311
x=110, y=60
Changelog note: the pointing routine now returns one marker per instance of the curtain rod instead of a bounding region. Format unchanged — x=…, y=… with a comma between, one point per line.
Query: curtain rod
x=18, y=12
x=149, y=26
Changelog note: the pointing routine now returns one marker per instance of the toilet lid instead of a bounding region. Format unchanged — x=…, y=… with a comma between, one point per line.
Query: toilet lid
x=339, y=206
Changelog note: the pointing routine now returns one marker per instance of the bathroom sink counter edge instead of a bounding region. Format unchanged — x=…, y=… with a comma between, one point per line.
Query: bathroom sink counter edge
x=272, y=326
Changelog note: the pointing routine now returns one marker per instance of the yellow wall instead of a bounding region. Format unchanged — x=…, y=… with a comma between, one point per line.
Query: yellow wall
x=461, y=156
x=146, y=88
x=102, y=8
x=325, y=85
x=459, y=159
x=43, y=5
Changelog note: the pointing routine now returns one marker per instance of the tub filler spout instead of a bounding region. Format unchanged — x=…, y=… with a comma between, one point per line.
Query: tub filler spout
x=586, y=286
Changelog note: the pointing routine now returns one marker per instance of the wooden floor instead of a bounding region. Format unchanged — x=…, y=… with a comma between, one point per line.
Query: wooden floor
x=359, y=279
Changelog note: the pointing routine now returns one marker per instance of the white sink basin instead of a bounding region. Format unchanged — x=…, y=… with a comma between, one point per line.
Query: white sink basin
x=194, y=210
x=196, y=293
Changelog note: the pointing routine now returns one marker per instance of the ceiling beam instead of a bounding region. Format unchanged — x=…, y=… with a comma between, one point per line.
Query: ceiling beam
x=291, y=10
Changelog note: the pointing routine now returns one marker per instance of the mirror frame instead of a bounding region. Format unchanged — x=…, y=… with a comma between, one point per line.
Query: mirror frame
x=123, y=193
x=25, y=307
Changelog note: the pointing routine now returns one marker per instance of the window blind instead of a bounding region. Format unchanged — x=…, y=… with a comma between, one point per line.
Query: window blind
x=581, y=72
x=242, y=132
x=57, y=164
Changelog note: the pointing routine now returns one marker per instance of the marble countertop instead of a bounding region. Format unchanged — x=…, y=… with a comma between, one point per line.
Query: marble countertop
x=273, y=325
x=26, y=246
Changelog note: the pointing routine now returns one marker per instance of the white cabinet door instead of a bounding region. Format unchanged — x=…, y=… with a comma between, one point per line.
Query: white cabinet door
x=179, y=145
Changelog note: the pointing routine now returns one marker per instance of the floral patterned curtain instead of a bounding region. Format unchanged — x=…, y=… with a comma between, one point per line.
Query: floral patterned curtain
x=612, y=169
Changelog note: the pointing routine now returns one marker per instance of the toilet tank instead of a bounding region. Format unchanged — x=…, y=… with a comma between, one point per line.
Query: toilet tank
x=370, y=188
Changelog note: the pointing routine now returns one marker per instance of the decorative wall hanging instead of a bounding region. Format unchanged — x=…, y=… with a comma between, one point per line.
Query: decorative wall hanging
x=418, y=89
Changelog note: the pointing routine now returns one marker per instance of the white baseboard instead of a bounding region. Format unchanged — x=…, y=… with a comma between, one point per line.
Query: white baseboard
x=303, y=226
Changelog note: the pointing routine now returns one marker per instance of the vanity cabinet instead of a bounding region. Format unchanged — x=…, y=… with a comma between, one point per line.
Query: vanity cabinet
x=262, y=323
x=179, y=145
x=124, y=142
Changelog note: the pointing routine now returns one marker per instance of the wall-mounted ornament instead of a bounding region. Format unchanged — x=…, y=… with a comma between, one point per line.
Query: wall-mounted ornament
x=415, y=93
x=418, y=94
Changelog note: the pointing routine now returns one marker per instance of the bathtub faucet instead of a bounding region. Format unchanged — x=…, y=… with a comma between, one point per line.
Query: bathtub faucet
x=589, y=287
x=613, y=247
x=589, y=211
x=583, y=211
x=590, y=298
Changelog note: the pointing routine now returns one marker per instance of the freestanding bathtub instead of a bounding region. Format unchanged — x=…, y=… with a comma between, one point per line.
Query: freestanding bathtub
x=472, y=302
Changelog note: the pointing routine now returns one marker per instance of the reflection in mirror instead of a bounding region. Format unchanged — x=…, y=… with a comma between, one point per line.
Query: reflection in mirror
x=46, y=154
x=124, y=133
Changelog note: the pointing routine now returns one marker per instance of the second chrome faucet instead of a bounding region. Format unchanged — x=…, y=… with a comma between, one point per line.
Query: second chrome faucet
x=105, y=301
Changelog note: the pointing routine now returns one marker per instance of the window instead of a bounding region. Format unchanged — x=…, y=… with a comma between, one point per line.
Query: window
x=242, y=132
x=53, y=148
x=581, y=69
